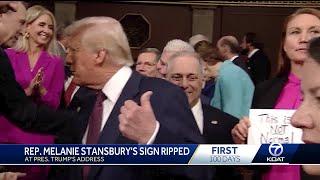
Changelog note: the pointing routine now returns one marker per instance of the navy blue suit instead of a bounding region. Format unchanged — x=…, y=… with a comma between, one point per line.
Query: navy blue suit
x=177, y=125
x=217, y=126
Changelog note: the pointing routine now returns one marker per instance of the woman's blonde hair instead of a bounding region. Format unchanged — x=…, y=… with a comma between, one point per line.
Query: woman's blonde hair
x=34, y=13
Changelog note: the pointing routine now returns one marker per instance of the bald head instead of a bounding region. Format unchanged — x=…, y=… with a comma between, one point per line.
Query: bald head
x=228, y=46
x=231, y=42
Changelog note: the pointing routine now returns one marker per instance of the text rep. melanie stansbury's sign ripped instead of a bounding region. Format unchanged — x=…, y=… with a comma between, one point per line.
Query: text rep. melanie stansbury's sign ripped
x=272, y=126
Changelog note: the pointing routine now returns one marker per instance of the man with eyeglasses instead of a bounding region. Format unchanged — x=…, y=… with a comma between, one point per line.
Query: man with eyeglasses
x=146, y=62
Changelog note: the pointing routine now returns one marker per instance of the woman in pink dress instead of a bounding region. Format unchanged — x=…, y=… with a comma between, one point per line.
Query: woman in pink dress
x=39, y=71
x=284, y=91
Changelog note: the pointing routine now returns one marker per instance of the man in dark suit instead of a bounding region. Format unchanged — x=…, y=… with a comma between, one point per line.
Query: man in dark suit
x=14, y=104
x=133, y=108
x=186, y=70
x=258, y=63
x=228, y=47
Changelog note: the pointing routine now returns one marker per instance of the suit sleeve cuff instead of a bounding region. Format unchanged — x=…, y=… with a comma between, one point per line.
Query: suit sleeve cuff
x=154, y=135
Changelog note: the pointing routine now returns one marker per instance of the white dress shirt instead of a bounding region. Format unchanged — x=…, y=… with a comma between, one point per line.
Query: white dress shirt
x=198, y=115
x=252, y=53
x=233, y=58
x=112, y=90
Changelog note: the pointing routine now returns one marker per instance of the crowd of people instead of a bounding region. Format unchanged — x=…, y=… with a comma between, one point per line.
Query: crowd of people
x=84, y=89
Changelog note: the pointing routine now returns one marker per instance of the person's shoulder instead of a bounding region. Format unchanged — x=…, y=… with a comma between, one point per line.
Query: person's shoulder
x=271, y=86
x=51, y=56
x=12, y=51
x=271, y=82
x=157, y=82
x=158, y=85
x=215, y=112
x=260, y=54
x=229, y=69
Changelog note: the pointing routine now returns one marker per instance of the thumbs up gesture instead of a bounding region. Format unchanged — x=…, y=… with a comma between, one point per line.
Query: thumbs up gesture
x=136, y=122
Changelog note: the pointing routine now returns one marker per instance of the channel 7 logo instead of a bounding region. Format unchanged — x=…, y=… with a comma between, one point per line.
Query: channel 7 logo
x=275, y=150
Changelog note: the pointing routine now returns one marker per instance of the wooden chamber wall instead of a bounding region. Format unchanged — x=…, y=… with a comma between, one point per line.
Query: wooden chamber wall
x=175, y=21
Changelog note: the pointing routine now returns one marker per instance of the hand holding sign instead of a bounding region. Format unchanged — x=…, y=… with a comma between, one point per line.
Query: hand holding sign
x=272, y=126
x=240, y=131
x=136, y=122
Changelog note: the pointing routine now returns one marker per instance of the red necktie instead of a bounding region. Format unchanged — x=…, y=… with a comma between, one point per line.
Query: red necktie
x=68, y=93
x=94, y=126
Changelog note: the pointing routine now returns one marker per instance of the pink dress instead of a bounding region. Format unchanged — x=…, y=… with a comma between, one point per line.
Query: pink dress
x=53, y=82
x=290, y=98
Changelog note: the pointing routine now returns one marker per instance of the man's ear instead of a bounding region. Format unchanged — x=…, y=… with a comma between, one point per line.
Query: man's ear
x=101, y=56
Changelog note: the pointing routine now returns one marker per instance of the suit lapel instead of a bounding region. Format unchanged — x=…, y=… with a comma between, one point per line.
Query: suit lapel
x=110, y=132
x=83, y=103
x=206, y=119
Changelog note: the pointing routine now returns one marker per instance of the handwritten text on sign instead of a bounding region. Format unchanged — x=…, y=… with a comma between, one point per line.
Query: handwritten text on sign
x=272, y=126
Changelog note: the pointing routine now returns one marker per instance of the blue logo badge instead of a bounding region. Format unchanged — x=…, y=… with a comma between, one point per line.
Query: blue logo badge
x=275, y=149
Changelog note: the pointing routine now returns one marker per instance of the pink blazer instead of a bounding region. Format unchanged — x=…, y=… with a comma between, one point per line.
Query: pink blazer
x=53, y=82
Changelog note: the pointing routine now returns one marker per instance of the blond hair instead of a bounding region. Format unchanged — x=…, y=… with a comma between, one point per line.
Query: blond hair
x=103, y=33
x=33, y=13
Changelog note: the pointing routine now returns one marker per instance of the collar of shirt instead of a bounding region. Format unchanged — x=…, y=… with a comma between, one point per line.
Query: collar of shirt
x=252, y=53
x=198, y=115
x=233, y=58
x=113, y=88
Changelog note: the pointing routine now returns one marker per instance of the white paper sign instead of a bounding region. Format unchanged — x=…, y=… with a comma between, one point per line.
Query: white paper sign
x=272, y=126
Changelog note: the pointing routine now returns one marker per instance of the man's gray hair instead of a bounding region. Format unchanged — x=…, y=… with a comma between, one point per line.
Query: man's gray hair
x=231, y=42
x=177, y=45
x=186, y=54
x=152, y=50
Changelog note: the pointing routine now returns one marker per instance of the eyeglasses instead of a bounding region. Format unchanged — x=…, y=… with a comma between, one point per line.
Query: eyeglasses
x=180, y=77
